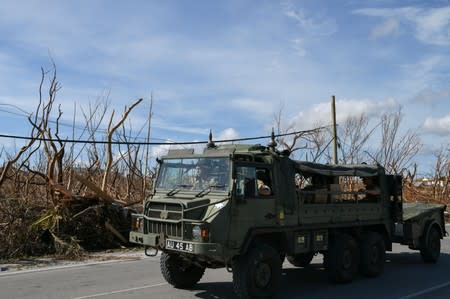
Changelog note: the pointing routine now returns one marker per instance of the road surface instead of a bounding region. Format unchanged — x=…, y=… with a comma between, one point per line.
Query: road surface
x=405, y=276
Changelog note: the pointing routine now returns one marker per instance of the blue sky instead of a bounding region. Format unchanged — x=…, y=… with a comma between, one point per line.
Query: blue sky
x=227, y=65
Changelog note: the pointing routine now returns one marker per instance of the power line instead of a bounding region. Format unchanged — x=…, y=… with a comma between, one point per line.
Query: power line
x=60, y=123
x=305, y=132
x=65, y=124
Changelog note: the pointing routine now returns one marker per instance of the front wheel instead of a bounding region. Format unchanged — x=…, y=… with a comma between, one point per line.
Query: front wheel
x=431, y=249
x=257, y=274
x=178, y=272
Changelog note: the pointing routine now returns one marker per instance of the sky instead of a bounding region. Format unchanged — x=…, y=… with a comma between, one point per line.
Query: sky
x=228, y=66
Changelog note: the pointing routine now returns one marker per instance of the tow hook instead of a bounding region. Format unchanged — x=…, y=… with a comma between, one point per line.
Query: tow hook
x=162, y=240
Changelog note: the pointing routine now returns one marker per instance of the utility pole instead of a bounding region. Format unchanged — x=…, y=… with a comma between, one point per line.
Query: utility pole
x=333, y=121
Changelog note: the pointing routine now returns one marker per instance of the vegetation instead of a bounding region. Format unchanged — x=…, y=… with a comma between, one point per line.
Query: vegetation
x=50, y=202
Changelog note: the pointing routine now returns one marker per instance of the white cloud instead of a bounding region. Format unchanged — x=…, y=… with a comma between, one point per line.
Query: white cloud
x=429, y=72
x=160, y=150
x=408, y=12
x=438, y=126
x=386, y=28
x=311, y=24
x=320, y=114
x=430, y=95
x=160, y=124
x=227, y=134
x=432, y=25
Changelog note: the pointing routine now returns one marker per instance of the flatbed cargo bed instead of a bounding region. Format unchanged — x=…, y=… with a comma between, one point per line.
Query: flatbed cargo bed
x=413, y=210
x=418, y=219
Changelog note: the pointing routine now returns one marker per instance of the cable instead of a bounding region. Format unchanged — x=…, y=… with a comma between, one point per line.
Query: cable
x=60, y=123
x=64, y=124
x=156, y=143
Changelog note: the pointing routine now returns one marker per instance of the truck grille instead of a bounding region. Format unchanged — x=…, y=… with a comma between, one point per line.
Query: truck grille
x=168, y=218
x=168, y=214
x=169, y=229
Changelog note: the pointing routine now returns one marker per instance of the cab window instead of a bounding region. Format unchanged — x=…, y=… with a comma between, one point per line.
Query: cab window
x=253, y=181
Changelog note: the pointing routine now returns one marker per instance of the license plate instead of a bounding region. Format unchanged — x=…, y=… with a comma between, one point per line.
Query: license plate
x=181, y=246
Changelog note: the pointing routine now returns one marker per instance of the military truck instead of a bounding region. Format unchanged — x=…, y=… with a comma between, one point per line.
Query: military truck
x=208, y=211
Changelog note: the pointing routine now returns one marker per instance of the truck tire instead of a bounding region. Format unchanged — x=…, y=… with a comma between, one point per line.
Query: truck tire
x=258, y=273
x=431, y=250
x=372, y=254
x=342, y=258
x=179, y=273
x=300, y=260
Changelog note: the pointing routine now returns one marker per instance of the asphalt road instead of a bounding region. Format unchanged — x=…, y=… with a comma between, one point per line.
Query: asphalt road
x=405, y=276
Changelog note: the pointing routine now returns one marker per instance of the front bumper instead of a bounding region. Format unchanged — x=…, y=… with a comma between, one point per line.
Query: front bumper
x=159, y=242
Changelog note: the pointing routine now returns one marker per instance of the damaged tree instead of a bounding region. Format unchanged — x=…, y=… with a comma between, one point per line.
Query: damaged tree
x=51, y=206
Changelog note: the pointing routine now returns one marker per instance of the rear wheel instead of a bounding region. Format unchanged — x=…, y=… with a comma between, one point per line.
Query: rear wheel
x=257, y=274
x=373, y=254
x=342, y=258
x=300, y=260
x=431, y=249
x=178, y=272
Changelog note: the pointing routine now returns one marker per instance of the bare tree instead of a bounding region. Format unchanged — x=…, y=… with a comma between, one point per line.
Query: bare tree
x=441, y=176
x=353, y=137
x=396, y=150
x=313, y=141
x=111, y=129
x=147, y=148
x=54, y=147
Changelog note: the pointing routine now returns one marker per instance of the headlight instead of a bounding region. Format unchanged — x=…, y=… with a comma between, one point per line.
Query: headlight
x=137, y=223
x=200, y=233
x=197, y=233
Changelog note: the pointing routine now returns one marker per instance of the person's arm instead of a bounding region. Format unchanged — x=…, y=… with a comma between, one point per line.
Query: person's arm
x=263, y=189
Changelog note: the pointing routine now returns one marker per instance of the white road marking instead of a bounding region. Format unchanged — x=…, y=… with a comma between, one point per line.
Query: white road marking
x=121, y=291
x=429, y=290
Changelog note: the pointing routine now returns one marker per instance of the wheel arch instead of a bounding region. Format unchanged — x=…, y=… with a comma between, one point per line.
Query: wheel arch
x=277, y=239
x=432, y=224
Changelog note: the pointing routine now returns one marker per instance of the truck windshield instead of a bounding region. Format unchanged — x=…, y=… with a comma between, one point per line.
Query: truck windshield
x=196, y=174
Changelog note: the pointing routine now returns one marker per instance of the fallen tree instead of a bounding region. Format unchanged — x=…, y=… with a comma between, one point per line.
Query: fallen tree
x=50, y=204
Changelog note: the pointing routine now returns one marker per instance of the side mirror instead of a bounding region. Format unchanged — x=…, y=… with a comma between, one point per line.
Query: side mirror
x=239, y=191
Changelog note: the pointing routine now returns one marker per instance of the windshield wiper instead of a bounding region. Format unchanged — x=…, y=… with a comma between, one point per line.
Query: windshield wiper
x=208, y=189
x=203, y=192
x=177, y=189
x=173, y=191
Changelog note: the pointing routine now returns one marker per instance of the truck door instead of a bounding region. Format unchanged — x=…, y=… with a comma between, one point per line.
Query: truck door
x=253, y=204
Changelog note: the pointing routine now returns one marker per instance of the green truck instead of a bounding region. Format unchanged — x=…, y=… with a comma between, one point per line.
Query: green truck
x=248, y=207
